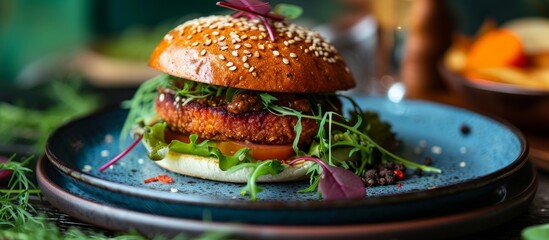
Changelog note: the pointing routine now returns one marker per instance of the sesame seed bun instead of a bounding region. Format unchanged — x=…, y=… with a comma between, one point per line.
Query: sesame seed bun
x=237, y=52
x=208, y=168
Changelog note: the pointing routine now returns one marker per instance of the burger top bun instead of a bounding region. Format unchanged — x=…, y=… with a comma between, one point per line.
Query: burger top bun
x=238, y=52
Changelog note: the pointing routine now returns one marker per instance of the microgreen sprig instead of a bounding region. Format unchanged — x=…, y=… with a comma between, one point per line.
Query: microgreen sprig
x=327, y=118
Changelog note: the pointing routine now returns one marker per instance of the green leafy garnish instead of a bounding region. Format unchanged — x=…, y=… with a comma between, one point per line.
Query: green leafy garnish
x=259, y=169
x=158, y=148
x=288, y=11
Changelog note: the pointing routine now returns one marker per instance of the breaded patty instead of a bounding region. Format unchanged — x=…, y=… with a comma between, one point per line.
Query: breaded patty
x=217, y=120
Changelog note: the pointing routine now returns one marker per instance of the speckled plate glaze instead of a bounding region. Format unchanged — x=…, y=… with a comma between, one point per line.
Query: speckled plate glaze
x=473, y=165
x=503, y=204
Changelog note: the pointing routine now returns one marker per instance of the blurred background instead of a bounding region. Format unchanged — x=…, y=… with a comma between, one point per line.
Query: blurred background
x=60, y=59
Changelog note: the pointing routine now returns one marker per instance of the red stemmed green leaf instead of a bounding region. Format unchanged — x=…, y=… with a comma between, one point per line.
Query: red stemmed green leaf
x=253, y=8
x=252, y=5
x=336, y=183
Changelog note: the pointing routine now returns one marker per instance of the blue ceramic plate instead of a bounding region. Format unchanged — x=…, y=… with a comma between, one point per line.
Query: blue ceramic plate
x=503, y=204
x=473, y=164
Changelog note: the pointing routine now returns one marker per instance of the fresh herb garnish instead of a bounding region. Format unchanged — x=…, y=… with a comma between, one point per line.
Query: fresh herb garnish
x=14, y=200
x=258, y=169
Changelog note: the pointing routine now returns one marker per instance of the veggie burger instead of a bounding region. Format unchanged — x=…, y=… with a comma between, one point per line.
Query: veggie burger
x=218, y=71
x=214, y=103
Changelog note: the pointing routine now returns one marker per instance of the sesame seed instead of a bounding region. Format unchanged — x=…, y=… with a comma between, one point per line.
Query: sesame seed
x=293, y=55
x=230, y=64
x=254, y=74
x=221, y=57
x=234, y=53
x=237, y=46
x=247, y=45
x=253, y=37
x=195, y=44
x=244, y=58
x=215, y=33
x=208, y=42
x=261, y=46
x=189, y=37
x=223, y=48
x=251, y=69
x=286, y=43
x=232, y=68
x=203, y=52
x=276, y=53
x=221, y=38
x=285, y=61
x=244, y=37
x=246, y=65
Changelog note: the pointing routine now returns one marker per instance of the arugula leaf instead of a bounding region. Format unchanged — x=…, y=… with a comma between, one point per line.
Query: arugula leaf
x=227, y=162
x=261, y=168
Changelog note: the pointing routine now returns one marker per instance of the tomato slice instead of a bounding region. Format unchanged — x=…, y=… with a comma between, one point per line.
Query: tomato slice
x=257, y=151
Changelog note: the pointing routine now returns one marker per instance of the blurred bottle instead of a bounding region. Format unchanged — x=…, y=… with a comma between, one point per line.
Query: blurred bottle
x=429, y=36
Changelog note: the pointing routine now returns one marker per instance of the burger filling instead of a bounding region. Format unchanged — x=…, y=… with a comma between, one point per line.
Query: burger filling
x=230, y=122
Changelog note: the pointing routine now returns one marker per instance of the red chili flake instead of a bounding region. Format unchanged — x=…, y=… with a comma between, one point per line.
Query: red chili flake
x=150, y=180
x=399, y=174
x=161, y=178
x=165, y=179
x=399, y=185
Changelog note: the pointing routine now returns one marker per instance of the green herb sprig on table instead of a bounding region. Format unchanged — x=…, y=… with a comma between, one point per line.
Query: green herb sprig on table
x=23, y=124
x=19, y=220
x=15, y=209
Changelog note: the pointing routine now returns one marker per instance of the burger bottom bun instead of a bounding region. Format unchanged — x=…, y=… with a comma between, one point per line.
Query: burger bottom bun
x=208, y=168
